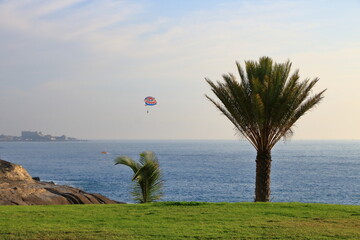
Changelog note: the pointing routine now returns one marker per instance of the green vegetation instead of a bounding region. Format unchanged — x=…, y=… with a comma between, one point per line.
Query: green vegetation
x=264, y=105
x=147, y=174
x=181, y=220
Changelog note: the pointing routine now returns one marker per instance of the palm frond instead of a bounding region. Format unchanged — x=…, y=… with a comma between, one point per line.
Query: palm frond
x=147, y=156
x=128, y=162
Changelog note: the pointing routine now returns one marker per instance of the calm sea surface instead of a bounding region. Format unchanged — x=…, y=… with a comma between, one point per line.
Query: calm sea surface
x=211, y=171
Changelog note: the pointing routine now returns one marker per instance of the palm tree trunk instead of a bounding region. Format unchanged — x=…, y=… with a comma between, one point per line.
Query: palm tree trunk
x=263, y=169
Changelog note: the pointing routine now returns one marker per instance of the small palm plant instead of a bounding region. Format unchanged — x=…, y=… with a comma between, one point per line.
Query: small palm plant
x=147, y=174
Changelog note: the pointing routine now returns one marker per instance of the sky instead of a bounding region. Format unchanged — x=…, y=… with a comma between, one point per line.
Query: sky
x=83, y=68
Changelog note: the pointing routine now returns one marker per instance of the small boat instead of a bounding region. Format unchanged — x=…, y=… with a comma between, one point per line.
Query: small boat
x=104, y=153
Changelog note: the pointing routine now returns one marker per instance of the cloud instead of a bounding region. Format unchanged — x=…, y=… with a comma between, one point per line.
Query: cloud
x=65, y=20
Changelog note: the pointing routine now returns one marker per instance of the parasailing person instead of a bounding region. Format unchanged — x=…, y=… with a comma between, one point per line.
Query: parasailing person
x=150, y=101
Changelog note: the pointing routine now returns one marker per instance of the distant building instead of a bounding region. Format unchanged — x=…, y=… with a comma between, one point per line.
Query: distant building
x=32, y=136
x=61, y=138
x=6, y=138
x=49, y=138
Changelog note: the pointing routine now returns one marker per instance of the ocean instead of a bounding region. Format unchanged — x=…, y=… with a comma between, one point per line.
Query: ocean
x=202, y=170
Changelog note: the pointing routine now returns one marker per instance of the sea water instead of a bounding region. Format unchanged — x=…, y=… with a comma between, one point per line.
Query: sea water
x=210, y=171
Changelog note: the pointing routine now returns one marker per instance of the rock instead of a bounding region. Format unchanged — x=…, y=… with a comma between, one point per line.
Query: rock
x=13, y=172
x=17, y=187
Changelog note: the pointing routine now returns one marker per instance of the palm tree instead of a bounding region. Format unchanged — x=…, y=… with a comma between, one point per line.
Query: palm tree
x=264, y=107
x=147, y=174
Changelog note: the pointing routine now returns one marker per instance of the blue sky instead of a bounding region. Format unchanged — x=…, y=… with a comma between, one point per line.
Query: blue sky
x=83, y=68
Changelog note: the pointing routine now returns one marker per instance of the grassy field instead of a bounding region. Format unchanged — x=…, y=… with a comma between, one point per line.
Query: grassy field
x=174, y=220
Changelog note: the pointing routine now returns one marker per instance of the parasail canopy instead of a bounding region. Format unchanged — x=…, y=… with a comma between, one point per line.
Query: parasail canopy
x=150, y=101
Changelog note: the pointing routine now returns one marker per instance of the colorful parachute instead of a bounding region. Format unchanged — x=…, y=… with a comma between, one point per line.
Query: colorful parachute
x=150, y=101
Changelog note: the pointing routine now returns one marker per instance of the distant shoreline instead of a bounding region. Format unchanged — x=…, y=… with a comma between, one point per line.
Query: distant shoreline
x=78, y=140
x=35, y=136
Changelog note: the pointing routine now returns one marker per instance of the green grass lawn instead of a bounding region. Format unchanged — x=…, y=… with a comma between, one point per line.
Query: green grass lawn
x=172, y=220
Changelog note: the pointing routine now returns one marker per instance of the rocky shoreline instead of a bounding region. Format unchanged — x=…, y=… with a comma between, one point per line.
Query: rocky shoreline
x=17, y=187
